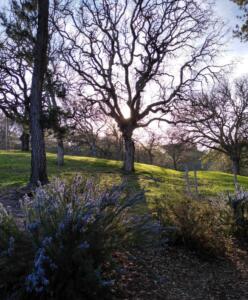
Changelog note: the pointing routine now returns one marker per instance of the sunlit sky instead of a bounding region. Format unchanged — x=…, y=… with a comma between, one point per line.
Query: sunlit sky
x=228, y=11
x=235, y=49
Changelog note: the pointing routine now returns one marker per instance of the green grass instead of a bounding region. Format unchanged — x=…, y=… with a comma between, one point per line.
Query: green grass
x=157, y=181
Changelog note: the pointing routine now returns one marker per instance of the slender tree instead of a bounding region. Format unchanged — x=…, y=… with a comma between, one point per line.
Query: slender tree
x=133, y=58
x=150, y=144
x=114, y=137
x=176, y=147
x=219, y=120
x=58, y=113
x=89, y=124
x=38, y=159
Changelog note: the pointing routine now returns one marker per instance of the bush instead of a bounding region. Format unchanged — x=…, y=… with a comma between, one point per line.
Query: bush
x=202, y=226
x=16, y=254
x=239, y=203
x=65, y=250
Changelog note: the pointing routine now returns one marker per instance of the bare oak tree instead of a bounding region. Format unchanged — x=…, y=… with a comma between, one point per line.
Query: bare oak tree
x=219, y=120
x=150, y=144
x=176, y=147
x=88, y=124
x=133, y=58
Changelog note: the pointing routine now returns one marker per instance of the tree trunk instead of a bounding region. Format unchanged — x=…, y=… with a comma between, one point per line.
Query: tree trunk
x=137, y=154
x=187, y=180
x=119, y=150
x=93, y=151
x=150, y=157
x=196, y=182
x=6, y=134
x=128, y=165
x=38, y=158
x=175, y=163
x=60, y=152
x=236, y=170
x=24, y=141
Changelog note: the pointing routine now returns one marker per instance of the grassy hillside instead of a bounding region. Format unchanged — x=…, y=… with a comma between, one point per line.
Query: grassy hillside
x=157, y=181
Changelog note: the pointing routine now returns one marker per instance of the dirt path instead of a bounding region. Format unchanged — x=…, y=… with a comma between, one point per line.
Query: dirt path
x=177, y=274
x=10, y=200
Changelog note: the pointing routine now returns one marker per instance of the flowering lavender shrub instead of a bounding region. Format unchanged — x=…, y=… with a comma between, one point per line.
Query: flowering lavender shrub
x=73, y=229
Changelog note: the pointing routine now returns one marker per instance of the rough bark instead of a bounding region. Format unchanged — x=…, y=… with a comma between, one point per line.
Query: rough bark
x=150, y=155
x=196, y=183
x=128, y=165
x=188, y=188
x=7, y=134
x=60, y=152
x=236, y=170
x=25, y=141
x=236, y=166
x=175, y=163
x=38, y=158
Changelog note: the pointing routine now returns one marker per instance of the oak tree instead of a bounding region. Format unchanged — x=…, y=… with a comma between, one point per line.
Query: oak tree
x=134, y=58
x=218, y=119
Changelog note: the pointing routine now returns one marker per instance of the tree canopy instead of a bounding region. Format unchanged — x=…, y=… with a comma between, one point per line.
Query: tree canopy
x=242, y=32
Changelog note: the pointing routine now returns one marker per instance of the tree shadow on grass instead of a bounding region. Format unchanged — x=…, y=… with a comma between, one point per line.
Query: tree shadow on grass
x=134, y=185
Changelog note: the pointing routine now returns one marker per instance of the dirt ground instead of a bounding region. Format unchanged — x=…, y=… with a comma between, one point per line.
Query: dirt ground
x=178, y=274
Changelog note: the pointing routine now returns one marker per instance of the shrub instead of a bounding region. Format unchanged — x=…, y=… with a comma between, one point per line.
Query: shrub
x=239, y=203
x=70, y=233
x=202, y=226
x=16, y=253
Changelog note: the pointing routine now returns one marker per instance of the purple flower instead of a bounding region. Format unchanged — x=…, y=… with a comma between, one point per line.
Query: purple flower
x=32, y=227
x=83, y=246
x=37, y=281
x=11, y=246
x=107, y=282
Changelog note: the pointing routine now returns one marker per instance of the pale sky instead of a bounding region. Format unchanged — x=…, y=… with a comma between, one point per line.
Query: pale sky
x=235, y=50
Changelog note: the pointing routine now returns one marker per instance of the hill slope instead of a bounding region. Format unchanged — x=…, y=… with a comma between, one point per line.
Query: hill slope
x=158, y=181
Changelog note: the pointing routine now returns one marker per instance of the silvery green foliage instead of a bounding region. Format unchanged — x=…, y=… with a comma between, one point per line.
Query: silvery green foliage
x=239, y=203
x=65, y=249
x=59, y=205
x=75, y=227
x=240, y=195
x=3, y=214
x=16, y=252
x=7, y=240
x=11, y=246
